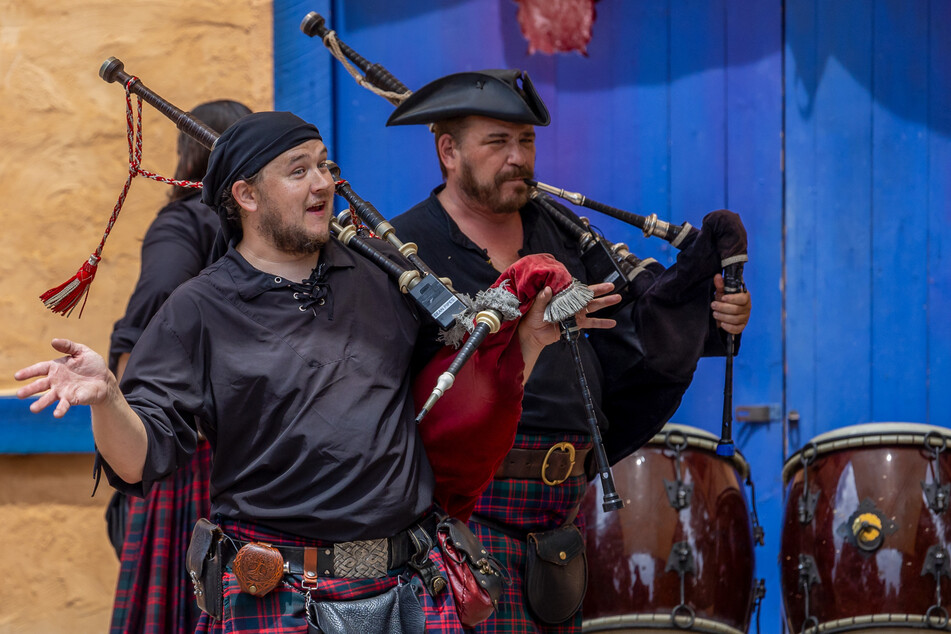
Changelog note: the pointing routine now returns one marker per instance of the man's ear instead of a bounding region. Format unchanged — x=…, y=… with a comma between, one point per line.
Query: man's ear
x=446, y=147
x=243, y=194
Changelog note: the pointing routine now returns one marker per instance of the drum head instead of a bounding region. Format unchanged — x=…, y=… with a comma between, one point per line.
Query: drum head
x=867, y=435
x=673, y=435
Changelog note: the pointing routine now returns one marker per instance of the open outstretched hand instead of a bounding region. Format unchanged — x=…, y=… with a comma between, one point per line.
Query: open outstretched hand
x=79, y=378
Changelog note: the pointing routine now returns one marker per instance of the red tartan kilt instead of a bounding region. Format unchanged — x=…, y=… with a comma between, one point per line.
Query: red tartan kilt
x=154, y=594
x=282, y=610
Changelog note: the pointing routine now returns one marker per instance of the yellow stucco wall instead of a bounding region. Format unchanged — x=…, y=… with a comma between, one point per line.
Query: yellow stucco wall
x=63, y=162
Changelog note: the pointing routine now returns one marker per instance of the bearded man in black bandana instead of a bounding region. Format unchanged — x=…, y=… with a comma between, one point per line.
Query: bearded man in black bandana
x=476, y=224
x=280, y=353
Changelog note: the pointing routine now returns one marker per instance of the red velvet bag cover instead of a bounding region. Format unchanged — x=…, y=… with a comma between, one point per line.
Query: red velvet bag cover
x=472, y=427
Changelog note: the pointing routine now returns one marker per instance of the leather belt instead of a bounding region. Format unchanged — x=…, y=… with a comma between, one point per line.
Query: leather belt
x=359, y=559
x=552, y=466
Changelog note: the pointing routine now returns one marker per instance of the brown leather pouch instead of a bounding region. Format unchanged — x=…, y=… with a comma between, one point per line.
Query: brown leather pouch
x=258, y=567
x=204, y=563
x=556, y=573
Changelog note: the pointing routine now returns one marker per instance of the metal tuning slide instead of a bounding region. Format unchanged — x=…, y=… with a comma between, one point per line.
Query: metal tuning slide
x=651, y=225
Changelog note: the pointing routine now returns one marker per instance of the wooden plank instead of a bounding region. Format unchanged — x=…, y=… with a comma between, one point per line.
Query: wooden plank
x=754, y=102
x=939, y=215
x=899, y=212
x=839, y=259
x=23, y=432
x=611, y=124
x=802, y=74
x=302, y=70
x=698, y=157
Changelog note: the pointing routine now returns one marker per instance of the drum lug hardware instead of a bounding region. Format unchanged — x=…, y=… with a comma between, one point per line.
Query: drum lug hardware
x=936, y=493
x=806, y=506
x=808, y=577
x=867, y=527
x=937, y=563
x=680, y=561
x=679, y=494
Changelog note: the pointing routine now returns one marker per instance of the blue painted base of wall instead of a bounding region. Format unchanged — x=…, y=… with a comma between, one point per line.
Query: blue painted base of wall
x=22, y=432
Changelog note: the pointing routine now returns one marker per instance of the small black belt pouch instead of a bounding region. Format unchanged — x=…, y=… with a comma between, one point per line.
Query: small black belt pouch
x=204, y=563
x=396, y=611
x=556, y=573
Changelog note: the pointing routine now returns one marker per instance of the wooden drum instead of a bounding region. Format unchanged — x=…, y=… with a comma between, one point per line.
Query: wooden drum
x=679, y=555
x=866, y=530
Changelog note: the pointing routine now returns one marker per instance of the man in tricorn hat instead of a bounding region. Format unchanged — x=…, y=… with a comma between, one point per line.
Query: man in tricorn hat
x=474, y=225
x=321, y=491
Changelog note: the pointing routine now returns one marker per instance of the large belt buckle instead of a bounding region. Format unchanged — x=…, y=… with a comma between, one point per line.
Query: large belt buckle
x=361, y=559
x=562, y=446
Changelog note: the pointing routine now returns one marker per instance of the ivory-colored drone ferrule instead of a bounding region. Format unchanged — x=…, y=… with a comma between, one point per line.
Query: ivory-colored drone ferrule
x=491, y=318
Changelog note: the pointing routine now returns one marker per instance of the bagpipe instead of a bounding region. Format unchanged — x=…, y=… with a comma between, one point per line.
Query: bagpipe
x=720, y=245
x=470, y=432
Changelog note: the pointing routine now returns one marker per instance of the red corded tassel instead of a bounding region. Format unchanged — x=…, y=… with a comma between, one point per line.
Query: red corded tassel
x=63, y=298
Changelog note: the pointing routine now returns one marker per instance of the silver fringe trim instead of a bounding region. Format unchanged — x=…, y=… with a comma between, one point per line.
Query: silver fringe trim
x=499, y=299
x=568, y=302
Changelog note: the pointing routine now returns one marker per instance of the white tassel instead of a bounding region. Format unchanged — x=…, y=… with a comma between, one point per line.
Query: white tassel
x=499, y=299
x=568, y=302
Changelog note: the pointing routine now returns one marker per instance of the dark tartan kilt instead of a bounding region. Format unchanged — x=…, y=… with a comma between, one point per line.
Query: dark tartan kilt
x=154, y=594
x=282, y=610
x=525, y=506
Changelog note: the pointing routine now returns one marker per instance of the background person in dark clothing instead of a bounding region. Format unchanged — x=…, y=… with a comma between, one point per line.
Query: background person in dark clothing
x=475, y=225
x=150, y=534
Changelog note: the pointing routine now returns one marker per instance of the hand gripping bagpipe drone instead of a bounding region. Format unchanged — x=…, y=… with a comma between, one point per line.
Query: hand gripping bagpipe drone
x=479, y=420
x=720, y=245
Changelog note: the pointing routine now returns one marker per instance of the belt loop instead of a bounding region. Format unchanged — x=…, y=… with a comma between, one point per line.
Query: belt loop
x=309, y=580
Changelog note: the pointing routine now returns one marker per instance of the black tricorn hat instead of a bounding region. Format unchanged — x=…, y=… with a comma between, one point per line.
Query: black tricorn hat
x=501, y=94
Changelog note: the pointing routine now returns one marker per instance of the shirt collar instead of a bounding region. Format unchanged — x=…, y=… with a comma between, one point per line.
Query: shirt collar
x=250, y=282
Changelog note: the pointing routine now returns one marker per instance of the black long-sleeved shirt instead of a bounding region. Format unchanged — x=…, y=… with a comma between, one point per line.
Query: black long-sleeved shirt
x=306, y=404
x=637, y=372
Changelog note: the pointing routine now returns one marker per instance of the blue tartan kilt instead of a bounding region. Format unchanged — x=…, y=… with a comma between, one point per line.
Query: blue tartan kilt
x=525, y=506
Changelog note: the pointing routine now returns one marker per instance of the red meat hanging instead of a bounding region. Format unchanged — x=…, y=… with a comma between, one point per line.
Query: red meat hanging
x=553, y=26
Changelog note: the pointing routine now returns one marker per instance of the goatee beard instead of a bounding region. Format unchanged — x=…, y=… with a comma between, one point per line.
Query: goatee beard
x=490, y=196
x=290, y=239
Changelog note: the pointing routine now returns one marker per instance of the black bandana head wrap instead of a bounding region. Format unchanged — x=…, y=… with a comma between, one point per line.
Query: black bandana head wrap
x=244, y=149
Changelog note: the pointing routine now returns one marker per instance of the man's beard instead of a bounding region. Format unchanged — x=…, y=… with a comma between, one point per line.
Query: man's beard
x=292, y=239
x=490, y=195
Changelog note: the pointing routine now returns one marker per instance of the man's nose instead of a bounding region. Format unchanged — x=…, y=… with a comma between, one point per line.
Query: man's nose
x=323, y=180
x=518, y=154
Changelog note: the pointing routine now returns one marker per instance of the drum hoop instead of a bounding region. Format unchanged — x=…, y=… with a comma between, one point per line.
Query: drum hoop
x=700, y=439
x=878, y=620
x=643, y=621
x=867, y=436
